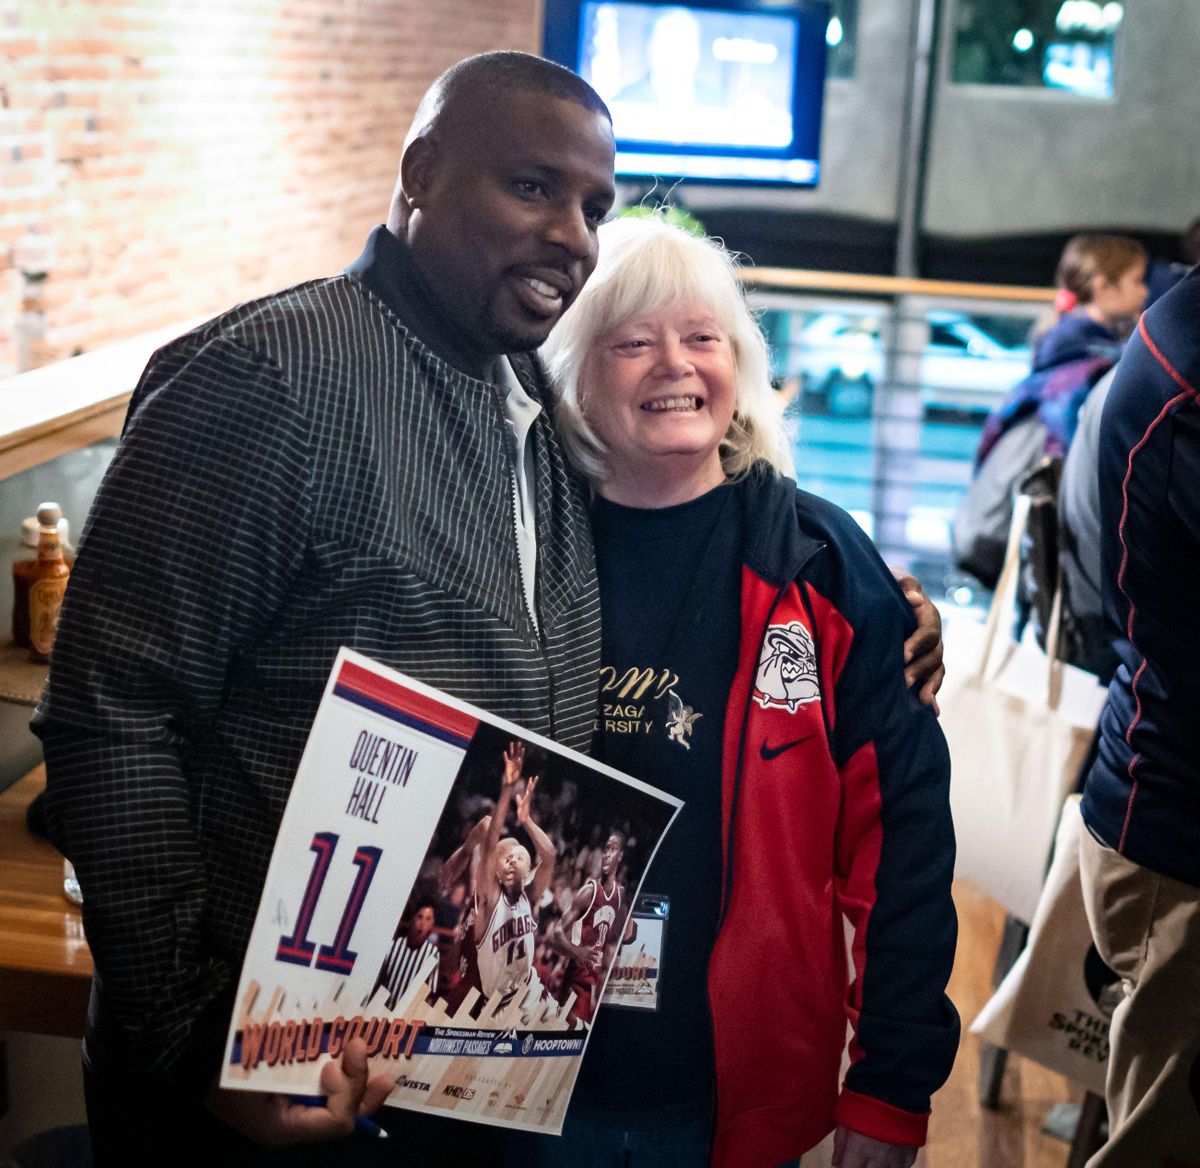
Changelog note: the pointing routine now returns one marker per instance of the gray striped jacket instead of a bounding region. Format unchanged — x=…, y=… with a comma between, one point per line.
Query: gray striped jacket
x=300, y=473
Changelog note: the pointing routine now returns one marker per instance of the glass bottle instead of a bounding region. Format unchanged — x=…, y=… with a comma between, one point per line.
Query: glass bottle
x=25, y=568
x=48, y=584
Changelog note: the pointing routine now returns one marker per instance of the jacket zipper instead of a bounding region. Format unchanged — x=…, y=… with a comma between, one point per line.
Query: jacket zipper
x=526, y=599
x=737, y=780
x=733, y=807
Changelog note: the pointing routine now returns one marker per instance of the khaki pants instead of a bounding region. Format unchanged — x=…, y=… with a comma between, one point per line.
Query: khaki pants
x=1147, y=929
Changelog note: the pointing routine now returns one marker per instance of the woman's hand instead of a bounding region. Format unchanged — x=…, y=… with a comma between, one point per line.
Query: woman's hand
x=852, y=1149
x=923, y=650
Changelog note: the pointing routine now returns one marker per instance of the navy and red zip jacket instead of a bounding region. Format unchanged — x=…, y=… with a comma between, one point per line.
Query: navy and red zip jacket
x=1142, y=795
x=835, y=786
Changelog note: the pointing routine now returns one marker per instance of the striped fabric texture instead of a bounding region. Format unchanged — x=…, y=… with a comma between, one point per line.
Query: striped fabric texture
x=299, y=474
x=403, y=963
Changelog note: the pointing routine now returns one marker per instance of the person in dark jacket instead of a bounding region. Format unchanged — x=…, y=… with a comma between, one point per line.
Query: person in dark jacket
x=1140, y=854
x=1101, y=290
x=816, y=782
x=365, y=460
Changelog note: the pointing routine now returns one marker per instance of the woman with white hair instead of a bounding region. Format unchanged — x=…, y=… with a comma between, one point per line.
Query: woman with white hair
x=753, y=665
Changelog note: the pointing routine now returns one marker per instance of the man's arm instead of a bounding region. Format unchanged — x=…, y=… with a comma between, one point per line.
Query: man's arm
x=560, y=934
x=623, y=931
x=542, y=843
x=189, y=552
x=458, y=865
x=483, y=862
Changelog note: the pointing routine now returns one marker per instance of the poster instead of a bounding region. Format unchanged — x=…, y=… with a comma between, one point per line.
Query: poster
x=633, y=979
x=450, y=888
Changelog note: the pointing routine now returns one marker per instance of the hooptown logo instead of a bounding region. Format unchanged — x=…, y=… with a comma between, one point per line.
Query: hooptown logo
x=787, y=669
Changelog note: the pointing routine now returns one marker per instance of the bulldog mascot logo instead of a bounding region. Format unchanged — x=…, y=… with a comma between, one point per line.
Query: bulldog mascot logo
x=787, y=669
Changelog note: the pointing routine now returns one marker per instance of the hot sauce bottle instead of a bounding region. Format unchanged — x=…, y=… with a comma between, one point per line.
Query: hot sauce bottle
x=25, y=568
x=47, y=584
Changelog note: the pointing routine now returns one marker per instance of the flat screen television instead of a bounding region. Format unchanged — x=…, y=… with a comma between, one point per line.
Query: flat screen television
x=721, y=92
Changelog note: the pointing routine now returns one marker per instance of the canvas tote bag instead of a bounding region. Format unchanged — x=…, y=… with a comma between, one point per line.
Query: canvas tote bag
x=1018, y=723
x=1055, y=1004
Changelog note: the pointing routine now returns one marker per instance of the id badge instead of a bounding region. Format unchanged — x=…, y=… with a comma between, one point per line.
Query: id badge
x=637, y=969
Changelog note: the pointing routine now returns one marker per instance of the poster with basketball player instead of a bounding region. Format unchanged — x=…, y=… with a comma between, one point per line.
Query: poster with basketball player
x=449, y=887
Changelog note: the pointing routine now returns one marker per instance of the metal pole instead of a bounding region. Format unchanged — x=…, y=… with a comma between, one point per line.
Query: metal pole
x=914, y=157
x=898, y=408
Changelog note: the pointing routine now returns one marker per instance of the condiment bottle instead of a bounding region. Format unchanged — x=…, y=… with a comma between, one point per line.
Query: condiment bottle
x=48, y=584
x=24, y=568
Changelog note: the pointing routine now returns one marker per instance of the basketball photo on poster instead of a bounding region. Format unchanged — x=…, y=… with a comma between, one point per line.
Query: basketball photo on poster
x=451, y=889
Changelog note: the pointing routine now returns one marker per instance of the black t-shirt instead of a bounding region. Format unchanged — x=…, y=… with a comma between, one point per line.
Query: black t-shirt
x=670, y=597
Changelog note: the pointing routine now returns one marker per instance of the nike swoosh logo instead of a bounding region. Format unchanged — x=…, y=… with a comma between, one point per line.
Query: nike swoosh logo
x=770, y=752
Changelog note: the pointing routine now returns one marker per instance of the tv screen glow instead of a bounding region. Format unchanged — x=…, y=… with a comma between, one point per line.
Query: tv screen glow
x=716, y=94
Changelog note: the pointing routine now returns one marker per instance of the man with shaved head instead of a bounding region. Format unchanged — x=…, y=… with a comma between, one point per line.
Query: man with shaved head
x=365, y=460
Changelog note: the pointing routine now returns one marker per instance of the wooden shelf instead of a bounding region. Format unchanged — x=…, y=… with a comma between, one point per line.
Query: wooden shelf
x=48, y=440
x=45, y=963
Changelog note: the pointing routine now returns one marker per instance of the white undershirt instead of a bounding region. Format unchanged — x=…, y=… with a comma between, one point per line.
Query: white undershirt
x=520, y=410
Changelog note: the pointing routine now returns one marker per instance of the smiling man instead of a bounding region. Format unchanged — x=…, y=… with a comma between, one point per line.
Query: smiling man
x=365, y=460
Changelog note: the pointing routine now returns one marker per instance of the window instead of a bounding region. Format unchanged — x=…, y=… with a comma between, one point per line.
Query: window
x=1066, y=45
x=891, y=437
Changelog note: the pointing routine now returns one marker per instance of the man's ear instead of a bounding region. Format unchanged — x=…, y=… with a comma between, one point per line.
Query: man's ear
x=418, y=167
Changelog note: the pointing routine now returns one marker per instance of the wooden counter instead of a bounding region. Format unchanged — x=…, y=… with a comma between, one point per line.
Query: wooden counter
x=45, y=965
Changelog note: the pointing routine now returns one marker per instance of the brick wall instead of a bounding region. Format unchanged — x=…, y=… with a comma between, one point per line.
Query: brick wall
x=162, y=159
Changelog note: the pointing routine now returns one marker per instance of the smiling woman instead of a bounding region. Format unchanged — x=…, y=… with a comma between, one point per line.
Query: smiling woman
x=669, y=387
x=661, y=358
x=815, y=784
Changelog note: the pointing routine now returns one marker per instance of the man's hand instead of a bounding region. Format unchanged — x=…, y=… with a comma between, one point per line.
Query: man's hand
x=276, y=1121
x=525, y=801
x=923, y=650
x=852, y=1149
x=514, y=760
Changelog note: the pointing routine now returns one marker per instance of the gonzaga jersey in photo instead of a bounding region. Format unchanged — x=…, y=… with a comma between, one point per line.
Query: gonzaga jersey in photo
x=505, y=955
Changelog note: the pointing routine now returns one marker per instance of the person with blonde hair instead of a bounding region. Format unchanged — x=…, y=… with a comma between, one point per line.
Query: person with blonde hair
x=751, y=663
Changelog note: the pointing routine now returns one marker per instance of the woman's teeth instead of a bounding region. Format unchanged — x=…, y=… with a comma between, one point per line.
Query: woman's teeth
x=672, y=403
